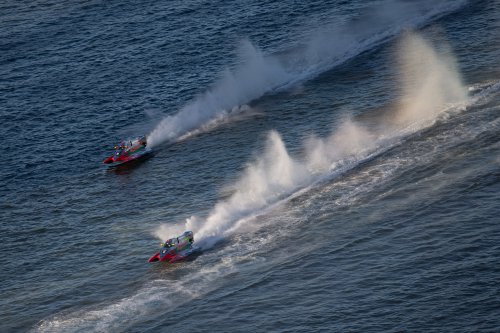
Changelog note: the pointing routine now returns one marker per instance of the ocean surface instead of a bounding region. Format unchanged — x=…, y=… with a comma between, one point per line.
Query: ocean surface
x=337, y=161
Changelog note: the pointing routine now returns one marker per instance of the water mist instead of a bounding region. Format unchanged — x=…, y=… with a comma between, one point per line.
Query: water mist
x=430, y=80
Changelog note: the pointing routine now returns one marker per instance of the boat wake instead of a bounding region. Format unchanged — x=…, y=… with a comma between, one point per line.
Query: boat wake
x=260, y=74
x=237, y=113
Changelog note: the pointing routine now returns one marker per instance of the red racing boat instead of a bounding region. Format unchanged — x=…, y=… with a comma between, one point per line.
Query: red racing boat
x=176, y=249
x=128, y=151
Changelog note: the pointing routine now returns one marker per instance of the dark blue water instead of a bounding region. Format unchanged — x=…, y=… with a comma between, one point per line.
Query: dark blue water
x=340, y=172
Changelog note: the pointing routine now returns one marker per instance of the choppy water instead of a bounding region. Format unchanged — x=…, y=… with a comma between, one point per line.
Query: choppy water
x=327, y=194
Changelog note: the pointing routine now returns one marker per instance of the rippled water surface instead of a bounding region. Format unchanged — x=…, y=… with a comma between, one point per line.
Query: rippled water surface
x=338, y=162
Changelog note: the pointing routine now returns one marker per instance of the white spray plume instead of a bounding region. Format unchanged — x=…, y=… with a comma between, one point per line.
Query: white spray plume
x=249, y=81
x=264, y=181
x=430, y=80
x=258, y=74
x=350, y=139
x=271, y=177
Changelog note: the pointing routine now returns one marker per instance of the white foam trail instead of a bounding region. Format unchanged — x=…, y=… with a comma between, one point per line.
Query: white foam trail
x=224, y=117
x=150, y=300
x=483, y=92
x=259, y=74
